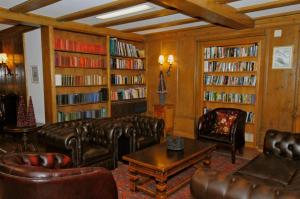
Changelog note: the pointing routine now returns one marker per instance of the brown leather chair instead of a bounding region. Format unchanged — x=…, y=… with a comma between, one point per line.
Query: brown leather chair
x=48, y=176
x=235, y=138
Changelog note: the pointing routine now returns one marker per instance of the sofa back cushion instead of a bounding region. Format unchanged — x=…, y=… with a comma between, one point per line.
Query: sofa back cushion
x=283, y=144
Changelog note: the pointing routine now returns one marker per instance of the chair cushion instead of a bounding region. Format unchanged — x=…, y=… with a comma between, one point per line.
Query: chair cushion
x=224, y=122
x=91, y=153
x=144, y=141
x=277, y=169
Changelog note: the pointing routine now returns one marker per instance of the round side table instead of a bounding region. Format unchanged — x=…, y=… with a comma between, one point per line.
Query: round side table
x=24, y=131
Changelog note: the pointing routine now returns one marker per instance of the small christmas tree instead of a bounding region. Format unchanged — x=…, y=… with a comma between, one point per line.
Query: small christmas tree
x=30, y=117
x=21, y=113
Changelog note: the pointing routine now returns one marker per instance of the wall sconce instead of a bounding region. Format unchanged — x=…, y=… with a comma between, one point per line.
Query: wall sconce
x=161, y=60
x=4, y=70
x=170, y=61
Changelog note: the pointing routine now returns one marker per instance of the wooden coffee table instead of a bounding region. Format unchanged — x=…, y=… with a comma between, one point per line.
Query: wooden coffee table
x=159, y=163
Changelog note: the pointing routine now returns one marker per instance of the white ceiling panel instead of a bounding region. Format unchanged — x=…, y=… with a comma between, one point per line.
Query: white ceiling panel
x=5, y=26
x=244, y=3
x=189, y=25
x=157, y=20
x=10, y=3
x=93, y=20
x=68, y=6
x=274, y=11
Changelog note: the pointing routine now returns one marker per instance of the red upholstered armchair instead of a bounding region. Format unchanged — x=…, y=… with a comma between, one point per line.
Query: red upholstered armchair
x=48, y=176
x=224, y=126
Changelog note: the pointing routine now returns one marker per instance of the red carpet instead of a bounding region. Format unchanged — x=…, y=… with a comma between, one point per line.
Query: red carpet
x=220, y=162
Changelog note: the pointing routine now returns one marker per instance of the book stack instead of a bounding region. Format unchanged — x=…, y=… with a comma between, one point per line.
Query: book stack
x=136, y=64
x=82, y=98
x=119, y=48
x=249, y=117
x=76, y=46
x=214, y=66
x=127, y=94
x=224, y=52
x=78, y=61
x=79, y=80
x=125, y=79
x=63, y=116
x=230, y=80
x=229, y=97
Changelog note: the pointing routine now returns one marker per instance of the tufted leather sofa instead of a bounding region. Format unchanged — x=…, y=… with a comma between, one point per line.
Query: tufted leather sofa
x=47, y=176
x=235, y=139
x=97, y=142
x=274, y=174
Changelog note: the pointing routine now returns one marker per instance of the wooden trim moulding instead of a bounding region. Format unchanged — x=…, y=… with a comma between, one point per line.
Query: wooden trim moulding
x=36, y=20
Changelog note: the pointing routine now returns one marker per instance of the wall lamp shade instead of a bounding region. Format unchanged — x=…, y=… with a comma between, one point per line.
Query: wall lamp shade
x=3, y=58
x=161, y=59
x=170, y=59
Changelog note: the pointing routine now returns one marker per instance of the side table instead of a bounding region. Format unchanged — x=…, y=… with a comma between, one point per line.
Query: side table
x=165, y=112
x=24, y=131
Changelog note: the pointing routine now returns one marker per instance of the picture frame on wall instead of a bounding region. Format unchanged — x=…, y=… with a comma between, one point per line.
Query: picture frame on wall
x=282, y=57
x=34, y=74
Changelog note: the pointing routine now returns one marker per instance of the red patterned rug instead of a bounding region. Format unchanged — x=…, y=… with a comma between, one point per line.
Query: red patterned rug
x=220, y=162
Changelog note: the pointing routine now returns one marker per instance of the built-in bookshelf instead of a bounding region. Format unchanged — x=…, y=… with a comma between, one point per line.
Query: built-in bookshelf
x=230, y=78
x=127, y=76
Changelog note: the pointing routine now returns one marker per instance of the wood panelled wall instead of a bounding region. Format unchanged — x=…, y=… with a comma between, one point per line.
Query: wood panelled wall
x=279, y=107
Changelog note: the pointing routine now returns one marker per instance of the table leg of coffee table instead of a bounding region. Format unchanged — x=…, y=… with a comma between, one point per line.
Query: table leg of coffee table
x=133, y=179
x=161, y=189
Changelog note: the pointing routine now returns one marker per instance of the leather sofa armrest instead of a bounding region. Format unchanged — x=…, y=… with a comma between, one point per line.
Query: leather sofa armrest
x=212, y=185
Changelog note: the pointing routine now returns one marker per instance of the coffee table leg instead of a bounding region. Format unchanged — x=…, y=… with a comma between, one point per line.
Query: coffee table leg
x=207, y=160
x=161, y=189
x=133, y=179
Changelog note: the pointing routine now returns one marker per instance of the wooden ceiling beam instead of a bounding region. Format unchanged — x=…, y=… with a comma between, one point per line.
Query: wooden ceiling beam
x=115, y=5
x=225, y=1
x=162, y=25
x=269, y=5
x=31, y=5
x=139, y=17
x=37, y=20
x=8, y=22
x=211, y=11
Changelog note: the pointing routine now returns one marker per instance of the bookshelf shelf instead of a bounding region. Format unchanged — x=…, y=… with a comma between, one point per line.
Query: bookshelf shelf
x=127, y=100
x=82, y=104
x=116, y=85
x=80, y=52
x=84, y=68
x=105, y=85
x=126, y=57
x=125, y=69
x=226, y=62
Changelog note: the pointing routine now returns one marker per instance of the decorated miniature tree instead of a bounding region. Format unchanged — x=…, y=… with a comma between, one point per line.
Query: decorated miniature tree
x=30, y=114
x=21, y=113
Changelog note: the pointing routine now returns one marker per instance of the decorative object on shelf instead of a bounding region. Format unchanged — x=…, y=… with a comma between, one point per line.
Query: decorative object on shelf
x=175, y=143
x=170, y=61
x=162, y=90
x=282, y=57
x=21, y=113
x=30, y=117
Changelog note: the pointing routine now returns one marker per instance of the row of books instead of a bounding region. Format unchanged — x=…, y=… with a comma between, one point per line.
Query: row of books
x=249, y=116
x=127, y=94
x=78, y=61
x=68, y=116
x=120, y=48
x=214, y=66
x=78, y=46
x=125, y=79
x=222, y=52
x=230, y=80
x=117, y=63
x=80, y=80
x=229, y=97
x=82, y=98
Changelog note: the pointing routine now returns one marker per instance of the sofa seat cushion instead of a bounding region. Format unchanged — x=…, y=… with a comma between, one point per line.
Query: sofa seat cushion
x=93, y=153
x=144, y=141
x=280, y=170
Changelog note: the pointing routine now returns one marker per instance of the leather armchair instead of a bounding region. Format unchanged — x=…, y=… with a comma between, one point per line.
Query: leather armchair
x=47, y=176
x=272, y=174
x=235, y=139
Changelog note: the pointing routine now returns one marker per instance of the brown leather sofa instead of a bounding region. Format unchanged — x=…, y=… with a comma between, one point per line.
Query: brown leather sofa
x=274, y=174
x=96, y=142
x=47, y=176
